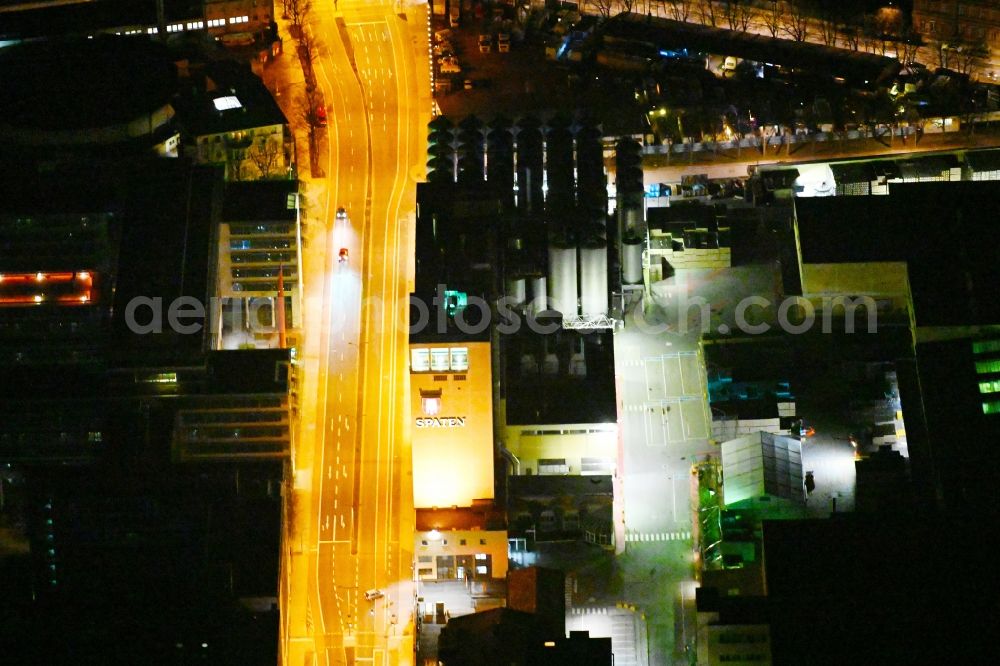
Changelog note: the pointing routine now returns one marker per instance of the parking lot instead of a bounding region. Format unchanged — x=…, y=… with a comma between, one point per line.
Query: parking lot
x=522, y=81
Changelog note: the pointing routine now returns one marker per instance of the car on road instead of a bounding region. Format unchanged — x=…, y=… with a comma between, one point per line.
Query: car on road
x=485, y=43
x=450, y=66
x=341, y=218
x=503, y=42
x=321, y=115
x=372, y=595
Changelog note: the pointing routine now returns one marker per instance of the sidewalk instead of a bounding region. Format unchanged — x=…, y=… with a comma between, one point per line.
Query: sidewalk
x=924, y=55
x=284, y=78
x=729, y=163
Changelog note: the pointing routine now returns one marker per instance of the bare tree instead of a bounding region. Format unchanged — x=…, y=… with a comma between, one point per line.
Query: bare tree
x=739, y=14
x=829, y=25
x=234, y=164
x=851, y=35
x=869, y=33
x=773, y=16
x=906, y=43
x=796, y=21
x=298, y=11
x=309, y=112
x=707, y=9
x=236, y=146
x=729, y=12
x=969, y=55
x=603, y=7
x=680, y=10
x=265, y=154
x=307, y=51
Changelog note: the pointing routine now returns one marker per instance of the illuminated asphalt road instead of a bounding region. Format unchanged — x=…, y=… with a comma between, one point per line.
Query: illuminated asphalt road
x=353, y=483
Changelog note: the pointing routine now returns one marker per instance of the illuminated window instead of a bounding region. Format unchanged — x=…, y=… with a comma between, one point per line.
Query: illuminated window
x=440, y=360
x=420, y=360
x=985, y=346
x=459, y=358
x=991, y=407
x=455, y=301
x=987, y=367
x=552, y=466
x=480, y=556
x=161, y=378
x=430, y=402
x=226, y=103
x=992, y=386
x=481, y=569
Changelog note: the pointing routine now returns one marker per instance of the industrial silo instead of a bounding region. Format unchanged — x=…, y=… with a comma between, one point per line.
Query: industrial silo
x=539, y=295
x=594, y=278
x=631, y=258
x=630, y=217
x=562, y=278
x=516, y=291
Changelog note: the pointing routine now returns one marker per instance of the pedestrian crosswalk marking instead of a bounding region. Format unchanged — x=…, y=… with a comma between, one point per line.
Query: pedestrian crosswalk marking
x=659, y=407
x=589, y=610
x=682, y=535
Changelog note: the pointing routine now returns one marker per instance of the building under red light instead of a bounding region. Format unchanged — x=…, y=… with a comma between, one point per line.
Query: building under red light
x=63, y=288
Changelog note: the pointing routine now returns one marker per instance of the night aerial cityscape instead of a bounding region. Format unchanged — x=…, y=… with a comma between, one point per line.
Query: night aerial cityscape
x=499, y=332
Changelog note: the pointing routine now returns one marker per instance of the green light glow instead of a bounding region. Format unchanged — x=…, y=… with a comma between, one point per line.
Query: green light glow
x=987, y=367
x=985, y=346
x=991, y=386
x=455, y=301
x=991, y=407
